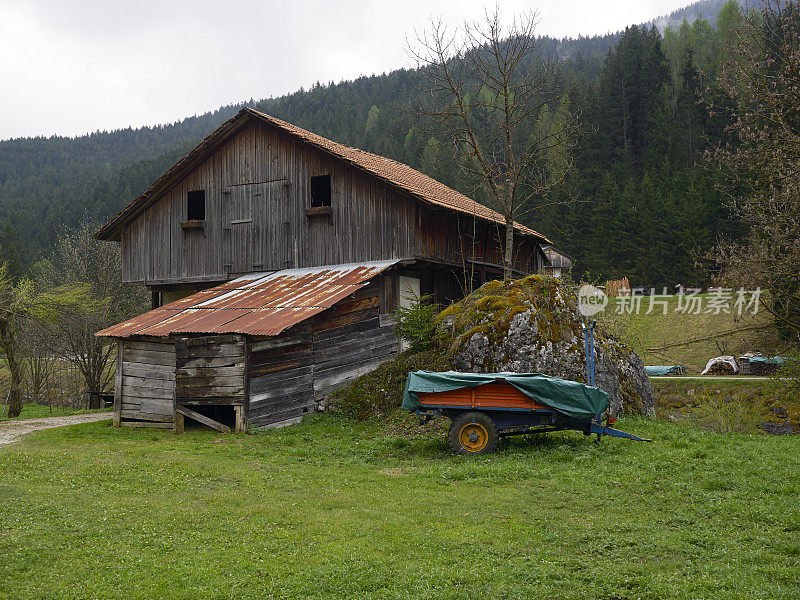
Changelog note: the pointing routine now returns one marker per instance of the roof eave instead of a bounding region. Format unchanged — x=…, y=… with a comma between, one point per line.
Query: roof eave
x=262, y=118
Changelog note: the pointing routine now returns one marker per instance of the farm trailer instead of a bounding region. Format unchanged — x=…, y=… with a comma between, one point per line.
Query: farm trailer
x=483, y=407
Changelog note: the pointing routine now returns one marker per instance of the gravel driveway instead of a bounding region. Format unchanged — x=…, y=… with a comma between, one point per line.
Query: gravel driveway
x=11, y=431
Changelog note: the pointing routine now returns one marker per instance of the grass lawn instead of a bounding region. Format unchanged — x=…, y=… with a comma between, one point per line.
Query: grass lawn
x=656, y=330
x=35, y=411
x=334, y=509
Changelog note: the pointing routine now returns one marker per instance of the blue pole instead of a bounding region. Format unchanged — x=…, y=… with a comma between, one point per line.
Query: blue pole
x=591, y=348
x=588, y=358
x=599, y=417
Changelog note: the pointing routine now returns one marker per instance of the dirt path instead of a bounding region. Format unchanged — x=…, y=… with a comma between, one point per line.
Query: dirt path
x=11, y=431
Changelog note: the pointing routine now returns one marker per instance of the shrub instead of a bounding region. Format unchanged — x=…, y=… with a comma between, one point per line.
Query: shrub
x=788, y=374
x=415, y=323
x=736, y=413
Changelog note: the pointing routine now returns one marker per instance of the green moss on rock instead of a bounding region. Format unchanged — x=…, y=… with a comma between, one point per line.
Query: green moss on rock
x=492, y=308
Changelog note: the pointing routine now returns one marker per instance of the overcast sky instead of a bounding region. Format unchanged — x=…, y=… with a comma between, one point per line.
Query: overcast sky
x=69, y=67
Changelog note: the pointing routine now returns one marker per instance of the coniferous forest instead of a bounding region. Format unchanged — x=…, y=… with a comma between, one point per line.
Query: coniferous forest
x=640, y=201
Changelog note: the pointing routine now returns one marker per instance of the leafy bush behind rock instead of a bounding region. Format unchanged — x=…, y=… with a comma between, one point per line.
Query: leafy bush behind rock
x=416, y=323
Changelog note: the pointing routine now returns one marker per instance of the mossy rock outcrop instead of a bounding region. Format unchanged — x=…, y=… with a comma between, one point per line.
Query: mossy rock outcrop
x=533, y=325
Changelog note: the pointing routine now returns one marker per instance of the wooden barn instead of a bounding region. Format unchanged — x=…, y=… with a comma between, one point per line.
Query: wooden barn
x=276, y=258
x=559, y=263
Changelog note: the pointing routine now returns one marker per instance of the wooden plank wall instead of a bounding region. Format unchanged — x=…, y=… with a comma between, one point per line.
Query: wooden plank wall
x=445, y=284
x=281, y=377
x=148, y=382
x=262, y=177
x=290, y=373
x=349, y=341
x=210, y=370
x=270, y=173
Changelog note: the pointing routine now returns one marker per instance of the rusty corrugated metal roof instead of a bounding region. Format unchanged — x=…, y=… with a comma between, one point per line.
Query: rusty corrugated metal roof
x=255, y=304
x=394, y=173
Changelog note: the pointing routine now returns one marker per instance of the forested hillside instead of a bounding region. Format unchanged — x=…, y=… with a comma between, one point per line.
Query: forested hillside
x=642, y=204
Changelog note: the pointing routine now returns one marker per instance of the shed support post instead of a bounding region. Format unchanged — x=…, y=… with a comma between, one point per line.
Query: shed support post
x=243, y=413
x=178, y=428
x=118, y=387
x=241, y=426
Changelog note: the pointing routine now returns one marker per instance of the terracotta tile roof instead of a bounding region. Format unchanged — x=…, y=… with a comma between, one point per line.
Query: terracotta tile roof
x=398, y=175
x=256, y=304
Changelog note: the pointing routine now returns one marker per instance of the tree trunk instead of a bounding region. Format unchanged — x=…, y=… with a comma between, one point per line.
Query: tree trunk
x=508, y=258
x=14, y=395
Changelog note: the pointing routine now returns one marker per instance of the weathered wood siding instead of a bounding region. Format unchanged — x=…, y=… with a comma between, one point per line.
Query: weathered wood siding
x=147, y=383
x=349, y=340
x=458, y=239
x=281, y=377
x=210, y=370
x=290, y=373
x=257, y=188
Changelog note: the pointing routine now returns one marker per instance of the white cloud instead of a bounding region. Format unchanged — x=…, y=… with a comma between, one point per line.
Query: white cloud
x=72, y=67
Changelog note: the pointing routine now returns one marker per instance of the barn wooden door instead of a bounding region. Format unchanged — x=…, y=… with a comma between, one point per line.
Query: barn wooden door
x=239, y=249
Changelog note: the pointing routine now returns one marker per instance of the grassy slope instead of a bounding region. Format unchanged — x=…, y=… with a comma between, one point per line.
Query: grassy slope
x=729, y=405
x=329, y=509
x=656, y=330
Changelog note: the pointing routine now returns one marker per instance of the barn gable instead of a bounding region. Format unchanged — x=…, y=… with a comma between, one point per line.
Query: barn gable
x=258, y=217
x=252, y=182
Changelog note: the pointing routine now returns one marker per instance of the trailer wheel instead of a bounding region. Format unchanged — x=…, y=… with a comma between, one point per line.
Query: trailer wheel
x=473, y=433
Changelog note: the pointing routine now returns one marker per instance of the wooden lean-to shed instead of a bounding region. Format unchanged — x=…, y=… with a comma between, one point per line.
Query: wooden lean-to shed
x=259, y=350
x=276, y=258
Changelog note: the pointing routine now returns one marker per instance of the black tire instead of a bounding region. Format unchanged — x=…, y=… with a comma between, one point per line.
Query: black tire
x=473, y=433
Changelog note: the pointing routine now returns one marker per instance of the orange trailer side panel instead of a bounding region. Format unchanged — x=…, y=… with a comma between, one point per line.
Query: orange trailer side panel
x=488, y=395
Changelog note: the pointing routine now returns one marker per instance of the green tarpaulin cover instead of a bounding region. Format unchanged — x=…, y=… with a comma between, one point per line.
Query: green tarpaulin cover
x=659, y=370
x=567, y=397
x=775, y=360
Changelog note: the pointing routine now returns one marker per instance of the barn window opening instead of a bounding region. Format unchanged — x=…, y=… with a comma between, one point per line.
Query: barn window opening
x=320, y=191
x=196, y=205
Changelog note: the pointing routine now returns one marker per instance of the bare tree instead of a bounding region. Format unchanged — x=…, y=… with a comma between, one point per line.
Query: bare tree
x=39, y=362
x=80, y=259
x=13, y=306
x=761, y=167
x=499, y=104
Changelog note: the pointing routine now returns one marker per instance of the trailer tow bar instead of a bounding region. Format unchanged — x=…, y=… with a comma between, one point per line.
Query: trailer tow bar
x=600, y=431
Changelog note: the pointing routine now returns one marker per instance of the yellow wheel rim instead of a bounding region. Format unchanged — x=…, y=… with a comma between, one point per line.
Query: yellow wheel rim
x=473, y=437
